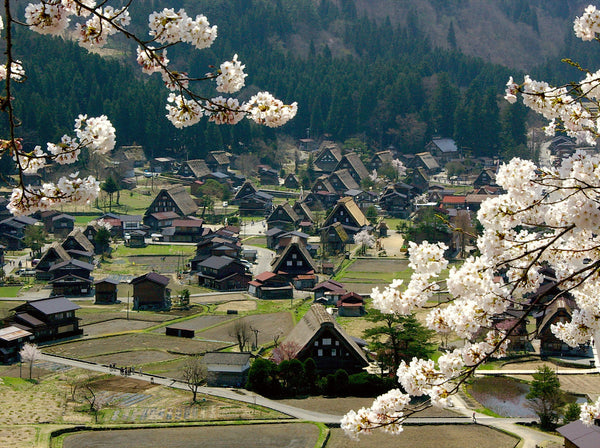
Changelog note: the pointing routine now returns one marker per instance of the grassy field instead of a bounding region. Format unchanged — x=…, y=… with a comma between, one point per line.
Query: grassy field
x=185, y=251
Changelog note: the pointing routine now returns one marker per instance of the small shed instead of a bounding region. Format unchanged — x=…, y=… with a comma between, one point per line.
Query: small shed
x=106, y=290
x=180, y=330
x=227, y=369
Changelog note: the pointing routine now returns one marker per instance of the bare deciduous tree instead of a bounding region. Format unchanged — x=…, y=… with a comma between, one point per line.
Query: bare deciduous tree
x=194, y=374
x=241, y=331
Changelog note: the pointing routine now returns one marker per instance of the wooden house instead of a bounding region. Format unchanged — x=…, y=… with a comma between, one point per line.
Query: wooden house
x=354, y=165
x=193, y=169
x=258, y=204
x=268, y=176
x=227, y=369
x=425, y=161
x=247, y=189
x=273, y=235
x=579, y=435
x=305, y=213
x=328, y=157
x=78, y=246
x=106, y=291
x=54, y=254
x=349, y=215
x=292, y=181
x=560, y=310
x=160, y=220
x=173, y=199
x=269, y=285
x=342, y=180
x=218, y=161
x=283, y=217
x=487, y=176
x=323, y=193
x=48, y=319
x=12, y=339
x=334, y=238
x=150, y=292
x=71, y=278
x=443, y=149
x=396, y=200
x=419, y=180
x=223, y=274
x=328, y=286
x=321, y=338
x=296, y=264
x=381, y=158
x=189, y=230
x=162, y=164
x=12, y=231
x=351, y=304
x=135, y=238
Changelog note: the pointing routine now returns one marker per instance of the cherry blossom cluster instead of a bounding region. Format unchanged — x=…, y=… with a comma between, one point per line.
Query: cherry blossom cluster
x=50, y=195
x=93, y=24
x=364, y=238
x=399, y=167
x=95, y=133
x=546, y=221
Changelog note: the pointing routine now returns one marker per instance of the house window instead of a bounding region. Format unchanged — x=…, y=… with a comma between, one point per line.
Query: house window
x=320, y=352
x=326, y=341
x=333, y=352
x=294, y=256
x=299, y=262
x=316, y=343
x=337, y=343
x=289, y=263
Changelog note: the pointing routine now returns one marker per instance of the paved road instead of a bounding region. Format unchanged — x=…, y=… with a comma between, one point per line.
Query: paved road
x=531, y=437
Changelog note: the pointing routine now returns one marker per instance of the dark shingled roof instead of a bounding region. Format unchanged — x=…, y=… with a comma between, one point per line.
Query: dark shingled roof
x=153, y=277
x=227, y=358
x=53, y=305
x=580, y=435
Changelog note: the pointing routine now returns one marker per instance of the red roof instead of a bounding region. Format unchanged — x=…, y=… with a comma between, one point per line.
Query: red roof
x=454, y=199
x=265, y=276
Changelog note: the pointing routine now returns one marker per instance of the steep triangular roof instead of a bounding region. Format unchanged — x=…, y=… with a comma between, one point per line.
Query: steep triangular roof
x=182, y=199
x=310, y=325
x=352, y=209
x=357, y=165
x=294, y=245
x=78, y=241
x=283, y=210
x=196, y=166
x=345, y=178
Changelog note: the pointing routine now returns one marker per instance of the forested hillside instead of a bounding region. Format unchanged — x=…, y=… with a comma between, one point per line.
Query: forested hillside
x=357, y=68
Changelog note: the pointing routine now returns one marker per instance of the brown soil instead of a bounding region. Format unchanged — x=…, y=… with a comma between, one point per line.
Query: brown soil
x=340, y=406
x=248, y=436
x=427, y=436
x=115, y=326
x=378, y=265
x=241, y=305
x=119, y=344
x=120, y=384
x=267, y=324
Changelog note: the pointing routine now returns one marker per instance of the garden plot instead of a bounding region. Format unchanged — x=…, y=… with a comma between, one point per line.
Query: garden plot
x=115, y=326
x=447, y=436
x=365, y=274
x=198, y=323
x=268, y=325
x=241, y=305
x=249, y=436
x=88, y=348
x=134, y=358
